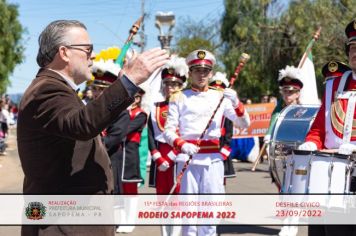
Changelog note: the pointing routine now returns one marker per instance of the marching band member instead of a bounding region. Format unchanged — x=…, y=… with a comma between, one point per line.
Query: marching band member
x=131, y=162
x=114, y=135
x=220, y=82
x=290, y=84
x=130, y=169
x=104, y=72
x=333, y=126
x=323, y=130
x=189, y=112
x=163, y=169
x=174, y=75
x=122, y=138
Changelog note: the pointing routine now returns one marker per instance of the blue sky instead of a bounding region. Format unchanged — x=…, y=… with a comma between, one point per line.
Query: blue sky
x=108, y=22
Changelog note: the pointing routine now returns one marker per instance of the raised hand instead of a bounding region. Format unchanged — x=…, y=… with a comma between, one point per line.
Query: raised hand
x=139, y=68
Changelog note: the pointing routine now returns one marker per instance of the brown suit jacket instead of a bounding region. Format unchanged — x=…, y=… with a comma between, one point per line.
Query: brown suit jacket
x=58, y=138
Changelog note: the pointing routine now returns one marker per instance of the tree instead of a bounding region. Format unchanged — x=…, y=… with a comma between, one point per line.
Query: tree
x=247, y=28
x=274, y=33
x=191, y=35
x=305, y=17
x=11, y=49
x=277, y=40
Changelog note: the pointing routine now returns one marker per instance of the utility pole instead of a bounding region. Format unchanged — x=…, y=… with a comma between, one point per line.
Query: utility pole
x=142, y=42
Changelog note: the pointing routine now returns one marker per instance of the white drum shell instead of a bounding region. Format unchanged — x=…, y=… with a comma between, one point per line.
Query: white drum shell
x=297, y=173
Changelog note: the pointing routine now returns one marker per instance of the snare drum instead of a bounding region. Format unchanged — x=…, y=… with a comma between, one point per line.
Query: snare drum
x=317, y=172
x=330, y=173
x=296, y=177
x=290, y=130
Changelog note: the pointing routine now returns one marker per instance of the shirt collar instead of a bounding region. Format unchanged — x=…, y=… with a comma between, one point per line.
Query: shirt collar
x=198, y=91
x=69, y=82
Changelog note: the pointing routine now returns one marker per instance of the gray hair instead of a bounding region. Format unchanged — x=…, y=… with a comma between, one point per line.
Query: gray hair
x=52, y=37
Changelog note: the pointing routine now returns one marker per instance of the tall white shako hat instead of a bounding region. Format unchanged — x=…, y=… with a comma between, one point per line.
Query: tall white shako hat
x=290, y=78
x=200, y=58
x=175, y=70
x=219, y=80
x=105, y=72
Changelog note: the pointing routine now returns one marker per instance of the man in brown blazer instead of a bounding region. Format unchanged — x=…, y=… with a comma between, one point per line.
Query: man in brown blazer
x=58, y=136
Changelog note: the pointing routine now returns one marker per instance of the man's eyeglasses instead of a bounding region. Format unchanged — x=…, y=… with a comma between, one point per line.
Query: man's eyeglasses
x=88, y=48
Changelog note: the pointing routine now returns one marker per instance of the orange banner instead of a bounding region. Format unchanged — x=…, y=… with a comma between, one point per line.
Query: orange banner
x=260, y=115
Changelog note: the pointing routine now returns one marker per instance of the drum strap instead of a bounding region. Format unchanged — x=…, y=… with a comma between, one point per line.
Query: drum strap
x=342, y=83
x=351, y=96
x=349, y=119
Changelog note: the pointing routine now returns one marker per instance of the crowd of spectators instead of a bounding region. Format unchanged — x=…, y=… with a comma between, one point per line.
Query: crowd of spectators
x=8, y=118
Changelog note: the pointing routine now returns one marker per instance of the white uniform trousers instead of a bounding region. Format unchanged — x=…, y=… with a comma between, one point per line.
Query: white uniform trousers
x=202, y=179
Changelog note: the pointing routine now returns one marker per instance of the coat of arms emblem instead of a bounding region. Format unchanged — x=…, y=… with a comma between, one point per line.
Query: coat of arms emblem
x=35, y=211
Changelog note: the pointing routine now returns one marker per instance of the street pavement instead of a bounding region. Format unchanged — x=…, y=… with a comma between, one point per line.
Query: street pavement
x=11, y=178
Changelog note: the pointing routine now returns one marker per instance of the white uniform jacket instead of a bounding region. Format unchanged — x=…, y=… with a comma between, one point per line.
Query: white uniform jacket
x=190, y=111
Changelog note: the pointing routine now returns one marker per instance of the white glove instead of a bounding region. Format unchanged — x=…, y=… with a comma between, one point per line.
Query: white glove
x=347, y=149
x=267, y=138
x=232, y=96
x=308, y=146
x=190, y=149
x=164, y=166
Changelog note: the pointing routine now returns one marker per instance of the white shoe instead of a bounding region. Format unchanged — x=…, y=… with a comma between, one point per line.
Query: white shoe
x=288, y=231
x=125, y=229
x=293, y=230
x=284, y=231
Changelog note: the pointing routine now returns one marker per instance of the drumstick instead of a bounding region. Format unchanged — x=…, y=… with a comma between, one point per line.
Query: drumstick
x=259, y=157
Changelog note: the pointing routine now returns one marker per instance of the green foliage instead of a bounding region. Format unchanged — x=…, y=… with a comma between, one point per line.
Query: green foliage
x=187, y=45
x=244, y=29
x=11, y=50
x=274, y=42
x=193, y=35
x=305, y=17
x=274, y=34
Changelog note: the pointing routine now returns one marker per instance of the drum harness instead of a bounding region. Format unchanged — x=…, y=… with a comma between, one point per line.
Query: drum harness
x=347, y=132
